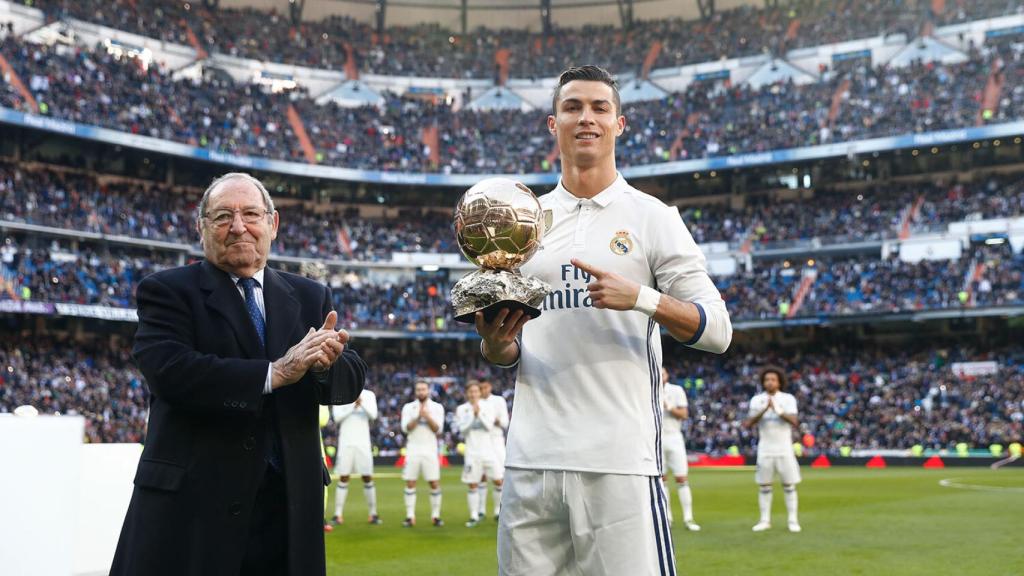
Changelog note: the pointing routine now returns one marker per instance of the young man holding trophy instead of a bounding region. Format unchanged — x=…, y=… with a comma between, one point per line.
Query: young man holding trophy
x=582, y=488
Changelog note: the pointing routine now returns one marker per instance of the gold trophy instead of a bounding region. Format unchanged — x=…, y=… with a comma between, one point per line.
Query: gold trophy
x=499, y=225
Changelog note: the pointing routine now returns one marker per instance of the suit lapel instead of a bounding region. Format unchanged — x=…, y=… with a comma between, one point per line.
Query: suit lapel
x=282, y=312
x=223, y=298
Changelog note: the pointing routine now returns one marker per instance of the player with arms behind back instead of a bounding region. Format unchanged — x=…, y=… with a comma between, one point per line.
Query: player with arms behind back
x=422, y=422
x=583, y=491
x=774, y=413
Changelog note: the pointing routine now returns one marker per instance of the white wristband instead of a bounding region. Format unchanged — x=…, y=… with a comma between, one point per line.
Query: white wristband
x=647, y=300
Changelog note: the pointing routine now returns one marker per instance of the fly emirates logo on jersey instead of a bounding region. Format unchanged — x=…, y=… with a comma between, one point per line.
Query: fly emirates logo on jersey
x=570, y=294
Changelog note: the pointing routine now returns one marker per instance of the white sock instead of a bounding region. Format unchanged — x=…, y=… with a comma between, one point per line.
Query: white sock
x=668, y=501
x=370, y=492
x=435, y=503
x=497, y=500
x=410, y=503
x=764, y=501
x=789, y=494
x=686, y=500
x=339, y=499
x=482, y=493
x=474, y=503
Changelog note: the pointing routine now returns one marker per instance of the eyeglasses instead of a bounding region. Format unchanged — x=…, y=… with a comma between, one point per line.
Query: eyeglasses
x=225, y=217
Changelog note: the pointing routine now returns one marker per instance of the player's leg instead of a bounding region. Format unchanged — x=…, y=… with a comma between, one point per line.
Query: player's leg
x=364, y=465
x=432, y=474
x=686, y=501
x=340, y=495
x=346, y=462
x=674, y=456
x=472, y=477
x=764, y=476
x=619, y=524
x=410, y=473
x=482, y=496
x=495, y=470
x=790, y=474
x=533, y=529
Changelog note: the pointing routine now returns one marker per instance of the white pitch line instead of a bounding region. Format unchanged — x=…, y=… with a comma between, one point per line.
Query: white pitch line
x=951, y=483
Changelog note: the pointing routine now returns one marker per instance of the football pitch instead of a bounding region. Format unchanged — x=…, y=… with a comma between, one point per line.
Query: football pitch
x=855, y=521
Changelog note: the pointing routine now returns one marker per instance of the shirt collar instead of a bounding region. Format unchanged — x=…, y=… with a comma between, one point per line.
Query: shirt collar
x=602, y=199
x=258, y=276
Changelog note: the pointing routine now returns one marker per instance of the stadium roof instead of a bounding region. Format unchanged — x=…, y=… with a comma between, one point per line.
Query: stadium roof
x=496, y=13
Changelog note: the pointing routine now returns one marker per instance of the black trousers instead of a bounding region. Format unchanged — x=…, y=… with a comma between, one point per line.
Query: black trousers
x=266, y=552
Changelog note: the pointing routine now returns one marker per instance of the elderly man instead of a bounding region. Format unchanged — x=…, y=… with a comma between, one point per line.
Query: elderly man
x=238, y=357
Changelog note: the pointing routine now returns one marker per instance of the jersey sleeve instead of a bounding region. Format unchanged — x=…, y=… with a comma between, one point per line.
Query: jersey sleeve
x=437, y=412
x=370, y=405
x=683, y=402
x=790, y=407
x=463, y=419
x=408, y=415
x=755, y=407
x=342, y=412
x=502, y=412
x=680, y=270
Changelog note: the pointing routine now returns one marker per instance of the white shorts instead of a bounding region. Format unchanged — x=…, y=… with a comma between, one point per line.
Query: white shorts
x=786, y=467
x=427, y=464
x=354, y=459
x=474, y=469
x=674, y=450
x=581, y=523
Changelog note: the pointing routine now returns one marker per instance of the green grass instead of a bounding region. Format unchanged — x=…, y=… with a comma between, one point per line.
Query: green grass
x=856, y=521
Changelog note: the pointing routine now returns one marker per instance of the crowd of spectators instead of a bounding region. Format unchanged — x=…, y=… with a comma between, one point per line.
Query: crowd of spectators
x=873, y=397
x=707, y=119
x=97, y=380
x=432, y=50
x=842, y=286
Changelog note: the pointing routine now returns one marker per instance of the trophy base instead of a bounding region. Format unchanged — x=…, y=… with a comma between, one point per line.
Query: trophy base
x=491, y=290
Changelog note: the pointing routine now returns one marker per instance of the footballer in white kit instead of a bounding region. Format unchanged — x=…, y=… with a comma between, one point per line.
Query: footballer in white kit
x=673, y=399
x=355, y=453
x=774, y=412
x=475, y=420
x=583, y=491
x=422, y=423
x=500, y=409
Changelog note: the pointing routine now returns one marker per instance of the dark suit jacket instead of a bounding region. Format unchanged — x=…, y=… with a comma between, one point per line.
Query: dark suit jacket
x=205, y=449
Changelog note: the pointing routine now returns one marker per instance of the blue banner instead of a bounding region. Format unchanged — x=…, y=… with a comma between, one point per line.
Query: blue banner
x=838, y=149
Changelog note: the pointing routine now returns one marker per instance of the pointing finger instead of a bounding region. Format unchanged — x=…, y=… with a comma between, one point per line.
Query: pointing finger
x=592, y=270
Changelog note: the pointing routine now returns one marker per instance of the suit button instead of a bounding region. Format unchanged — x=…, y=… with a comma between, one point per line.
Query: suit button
x=242, y=404
x=234, y=404
x=235, y=509
x=227, y=404
x=249, y=443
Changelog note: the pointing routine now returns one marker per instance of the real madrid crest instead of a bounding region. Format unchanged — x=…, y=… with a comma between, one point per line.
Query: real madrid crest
x=621, y=243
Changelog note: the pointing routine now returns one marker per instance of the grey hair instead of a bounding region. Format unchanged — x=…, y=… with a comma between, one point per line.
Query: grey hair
x=268, y=203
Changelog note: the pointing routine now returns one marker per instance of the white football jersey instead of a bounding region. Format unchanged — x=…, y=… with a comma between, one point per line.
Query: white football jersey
x=589, y=382
x=673, y=397
x=354, y=421
x=500, y=408
x=476, y=429
x=775, y=435
x=421, y=440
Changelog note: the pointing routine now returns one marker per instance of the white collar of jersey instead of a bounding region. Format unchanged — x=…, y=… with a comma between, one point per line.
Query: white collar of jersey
x=602, y=199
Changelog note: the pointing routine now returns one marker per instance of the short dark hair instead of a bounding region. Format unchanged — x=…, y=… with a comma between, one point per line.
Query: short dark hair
x=778, y=372
x=591, y=73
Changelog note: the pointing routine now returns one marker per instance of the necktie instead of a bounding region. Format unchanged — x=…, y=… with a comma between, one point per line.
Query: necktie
x=249, y=286
x=273, y=443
